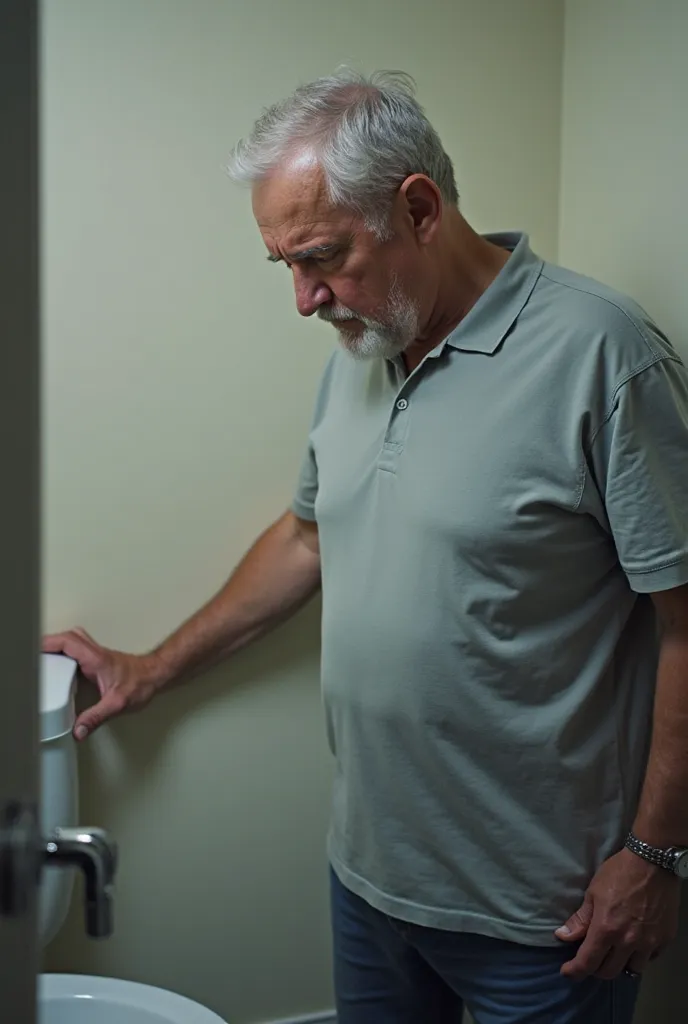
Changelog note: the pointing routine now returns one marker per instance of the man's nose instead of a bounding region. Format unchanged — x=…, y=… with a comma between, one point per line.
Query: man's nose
x=310, y=293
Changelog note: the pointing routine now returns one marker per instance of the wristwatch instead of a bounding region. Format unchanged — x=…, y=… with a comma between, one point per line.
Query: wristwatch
x=674, y=859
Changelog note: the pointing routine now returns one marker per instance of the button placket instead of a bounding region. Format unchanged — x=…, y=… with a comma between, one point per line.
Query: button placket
x=396, y=433
x=398, y=425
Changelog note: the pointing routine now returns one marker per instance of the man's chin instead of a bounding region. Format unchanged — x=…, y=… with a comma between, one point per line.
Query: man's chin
x=359, y=346
x=350, y=333
x=351, y=343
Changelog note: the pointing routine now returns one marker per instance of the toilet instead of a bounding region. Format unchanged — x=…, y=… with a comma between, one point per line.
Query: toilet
x=59, y=788
x=75, y=998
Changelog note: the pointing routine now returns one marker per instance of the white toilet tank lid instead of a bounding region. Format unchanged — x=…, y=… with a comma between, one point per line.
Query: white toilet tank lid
x=58, y=686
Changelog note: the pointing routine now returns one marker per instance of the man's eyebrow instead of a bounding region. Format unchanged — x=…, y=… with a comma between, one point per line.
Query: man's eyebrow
x=305, y=254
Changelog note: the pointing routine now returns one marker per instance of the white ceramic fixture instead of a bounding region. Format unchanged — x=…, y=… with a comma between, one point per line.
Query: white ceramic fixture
x=73, y=998
x=80, y=999
x=59, y=793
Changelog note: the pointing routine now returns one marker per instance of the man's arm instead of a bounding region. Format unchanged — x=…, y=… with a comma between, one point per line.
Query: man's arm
x=280, y=573
x=630, y=911
x=662, y=818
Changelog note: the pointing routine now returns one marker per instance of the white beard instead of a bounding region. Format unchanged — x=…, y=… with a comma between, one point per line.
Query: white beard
x=379, y=339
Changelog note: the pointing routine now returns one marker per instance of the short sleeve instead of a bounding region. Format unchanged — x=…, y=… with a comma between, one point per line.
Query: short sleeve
x=303, y=503
x=641, y=464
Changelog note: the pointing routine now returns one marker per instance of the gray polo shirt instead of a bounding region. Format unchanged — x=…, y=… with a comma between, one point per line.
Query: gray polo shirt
x=491, y=527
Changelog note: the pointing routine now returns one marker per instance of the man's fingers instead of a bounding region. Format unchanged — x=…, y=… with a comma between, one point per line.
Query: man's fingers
x=82, y=633
x=592, y=952
x=70, y=643
x=619, y=959
x=54, y=643
x=576, y=928
x=90, y=720
x=638, y=962
x=76, y=644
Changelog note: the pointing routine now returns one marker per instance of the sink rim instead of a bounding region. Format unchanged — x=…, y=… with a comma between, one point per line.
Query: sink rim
x=133, y=994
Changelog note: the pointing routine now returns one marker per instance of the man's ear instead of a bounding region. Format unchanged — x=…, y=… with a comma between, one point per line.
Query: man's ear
x=423, y=206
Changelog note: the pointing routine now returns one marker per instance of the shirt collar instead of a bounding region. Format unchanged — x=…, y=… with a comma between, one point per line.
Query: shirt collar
x=488, y=322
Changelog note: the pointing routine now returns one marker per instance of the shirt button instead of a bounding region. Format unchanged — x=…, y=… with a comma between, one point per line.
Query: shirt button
x=402, y=404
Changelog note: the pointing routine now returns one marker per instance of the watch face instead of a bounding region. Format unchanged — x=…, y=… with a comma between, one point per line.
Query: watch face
x=681, y=865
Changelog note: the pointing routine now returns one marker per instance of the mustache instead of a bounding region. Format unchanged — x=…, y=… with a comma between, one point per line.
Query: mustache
x=334, y=314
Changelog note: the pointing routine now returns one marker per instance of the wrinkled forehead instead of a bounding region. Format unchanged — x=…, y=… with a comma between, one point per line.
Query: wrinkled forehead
x=293, y=202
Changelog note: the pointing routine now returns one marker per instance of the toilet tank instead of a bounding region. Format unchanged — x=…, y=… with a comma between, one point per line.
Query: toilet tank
x=59, y=793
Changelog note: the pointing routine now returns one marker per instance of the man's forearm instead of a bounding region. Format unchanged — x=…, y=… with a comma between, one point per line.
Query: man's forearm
x=280, y=573
x=662, y=818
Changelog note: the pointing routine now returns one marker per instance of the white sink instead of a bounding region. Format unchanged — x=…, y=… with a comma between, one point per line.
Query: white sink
x=87, y=999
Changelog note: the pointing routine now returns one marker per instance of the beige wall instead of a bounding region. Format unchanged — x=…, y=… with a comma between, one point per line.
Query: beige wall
x=623, y=206
x=623, y=219
x=178, y=383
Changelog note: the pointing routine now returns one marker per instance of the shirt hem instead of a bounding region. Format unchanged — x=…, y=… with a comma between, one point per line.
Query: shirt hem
x=444, y=920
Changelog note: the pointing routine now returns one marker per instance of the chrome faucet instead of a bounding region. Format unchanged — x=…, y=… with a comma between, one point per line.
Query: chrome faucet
x=95, y=853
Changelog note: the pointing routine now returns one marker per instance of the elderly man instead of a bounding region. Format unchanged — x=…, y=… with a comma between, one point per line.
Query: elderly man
x=494, y=500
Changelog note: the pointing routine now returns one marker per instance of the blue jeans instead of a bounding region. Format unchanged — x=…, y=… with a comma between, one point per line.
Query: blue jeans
x=391, y=972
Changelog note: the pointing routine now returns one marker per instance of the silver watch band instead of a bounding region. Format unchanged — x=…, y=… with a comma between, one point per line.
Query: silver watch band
x=654, y=854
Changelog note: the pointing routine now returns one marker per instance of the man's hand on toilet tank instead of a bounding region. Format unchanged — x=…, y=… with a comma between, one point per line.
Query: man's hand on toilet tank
x=125, y=681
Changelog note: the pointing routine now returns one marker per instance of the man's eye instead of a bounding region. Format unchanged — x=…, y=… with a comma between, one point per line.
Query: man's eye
x=327, y=261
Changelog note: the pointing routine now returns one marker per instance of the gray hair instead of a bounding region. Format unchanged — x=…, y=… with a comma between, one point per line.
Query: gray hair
x=368, y=134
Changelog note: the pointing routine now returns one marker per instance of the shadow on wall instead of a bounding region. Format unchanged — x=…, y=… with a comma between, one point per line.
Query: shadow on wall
x=662, y=1000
